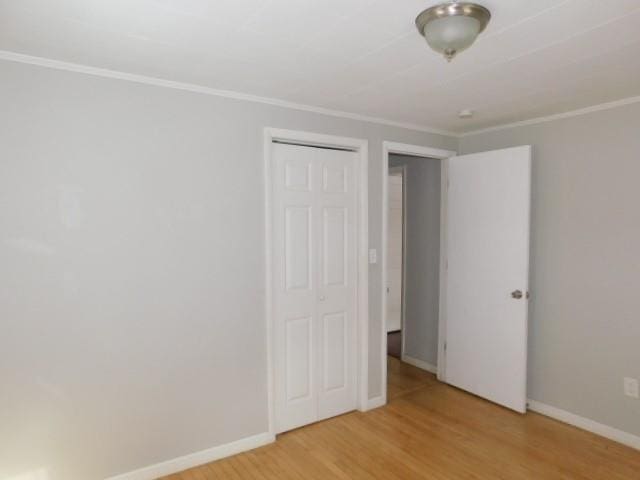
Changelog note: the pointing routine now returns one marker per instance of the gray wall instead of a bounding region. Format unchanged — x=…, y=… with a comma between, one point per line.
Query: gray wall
x=132, y=323
x=422, y=243
x=585, y=265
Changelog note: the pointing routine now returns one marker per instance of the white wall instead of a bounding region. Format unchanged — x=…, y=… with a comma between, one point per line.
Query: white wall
x=585, y=266
x=132, y=283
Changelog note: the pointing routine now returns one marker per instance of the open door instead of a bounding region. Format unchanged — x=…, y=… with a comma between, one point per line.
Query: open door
x=488, y=204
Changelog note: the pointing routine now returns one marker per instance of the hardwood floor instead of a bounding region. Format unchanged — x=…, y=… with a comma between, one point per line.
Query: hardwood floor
x=429, y=430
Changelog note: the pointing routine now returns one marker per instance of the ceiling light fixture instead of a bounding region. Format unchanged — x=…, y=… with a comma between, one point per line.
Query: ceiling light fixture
x=450, y=28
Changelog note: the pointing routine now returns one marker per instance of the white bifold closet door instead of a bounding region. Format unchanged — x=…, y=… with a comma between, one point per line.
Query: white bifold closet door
x=315, y=268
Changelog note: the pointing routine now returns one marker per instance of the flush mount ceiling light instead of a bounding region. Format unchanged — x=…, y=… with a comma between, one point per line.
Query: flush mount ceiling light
x=452, y=27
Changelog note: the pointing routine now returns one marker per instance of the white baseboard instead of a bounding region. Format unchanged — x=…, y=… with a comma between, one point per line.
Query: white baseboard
x=420, y=364
x=606, y=431
x=191, y=460
x=376, y=402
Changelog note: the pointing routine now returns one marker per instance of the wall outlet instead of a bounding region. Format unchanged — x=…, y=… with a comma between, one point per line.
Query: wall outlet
x=631, y=387
x=373, y=256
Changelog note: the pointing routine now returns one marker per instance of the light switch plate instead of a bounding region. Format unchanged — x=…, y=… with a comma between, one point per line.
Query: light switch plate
x=373, y=256
x=631, y=387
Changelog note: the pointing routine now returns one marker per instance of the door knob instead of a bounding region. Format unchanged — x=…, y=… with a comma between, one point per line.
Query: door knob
x=322, y=298
x=517, y=294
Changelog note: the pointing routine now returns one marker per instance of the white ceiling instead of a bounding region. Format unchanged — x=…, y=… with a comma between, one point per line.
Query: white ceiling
x=536, y=58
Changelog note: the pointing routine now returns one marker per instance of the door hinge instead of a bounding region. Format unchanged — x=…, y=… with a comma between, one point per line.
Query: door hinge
x=445, y=346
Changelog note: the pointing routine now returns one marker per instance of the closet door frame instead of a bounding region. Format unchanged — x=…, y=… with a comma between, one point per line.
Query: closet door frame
x=360, y=147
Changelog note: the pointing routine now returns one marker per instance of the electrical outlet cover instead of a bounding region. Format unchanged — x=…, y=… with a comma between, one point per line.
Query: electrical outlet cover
x=631, y=387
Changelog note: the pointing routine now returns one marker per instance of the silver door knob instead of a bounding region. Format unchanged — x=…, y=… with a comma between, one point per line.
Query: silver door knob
x=517, y=294
x=322, y=298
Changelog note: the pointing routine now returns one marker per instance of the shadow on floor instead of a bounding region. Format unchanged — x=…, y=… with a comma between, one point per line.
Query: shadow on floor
x=394, y=344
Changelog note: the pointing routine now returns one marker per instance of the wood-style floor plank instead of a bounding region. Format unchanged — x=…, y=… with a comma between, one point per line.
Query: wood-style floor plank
x=430, y=431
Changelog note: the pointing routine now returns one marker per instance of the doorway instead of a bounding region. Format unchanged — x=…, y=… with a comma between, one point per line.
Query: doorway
x=482, y=271
x=418, y=268
x=413, y=271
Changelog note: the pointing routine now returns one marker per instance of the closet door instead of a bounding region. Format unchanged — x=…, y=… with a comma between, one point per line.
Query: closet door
x=294, y=261
x=314, y=263
x=337, y=270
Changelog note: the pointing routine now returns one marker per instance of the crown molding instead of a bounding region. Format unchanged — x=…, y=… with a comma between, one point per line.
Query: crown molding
x=190, y=87
x=559, y=116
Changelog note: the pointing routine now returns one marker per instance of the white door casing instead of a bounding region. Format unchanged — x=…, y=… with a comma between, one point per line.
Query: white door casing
x=315, y=290
x=488, y=208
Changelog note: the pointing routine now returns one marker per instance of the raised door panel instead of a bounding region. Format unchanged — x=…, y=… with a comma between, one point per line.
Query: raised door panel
x=334, y=178
x=297, y=175
x=335, y=344
x=335, y=246
x=299, y=358
x=297, y=258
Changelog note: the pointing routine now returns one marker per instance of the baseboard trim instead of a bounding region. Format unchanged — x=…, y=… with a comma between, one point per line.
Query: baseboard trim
x=606, y=431
x=191, y=460
x=420, y=364
x=376, y=402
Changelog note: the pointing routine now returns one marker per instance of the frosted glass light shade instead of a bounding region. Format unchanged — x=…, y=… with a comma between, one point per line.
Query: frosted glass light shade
x=450, y=35
x=452, y=27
